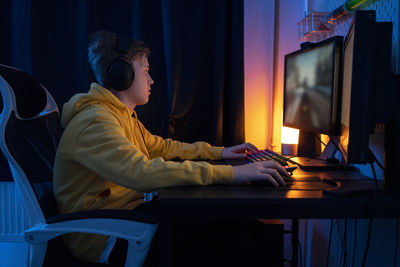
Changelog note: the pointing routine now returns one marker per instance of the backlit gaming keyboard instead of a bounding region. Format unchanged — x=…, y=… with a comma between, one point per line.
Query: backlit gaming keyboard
x=267, y=154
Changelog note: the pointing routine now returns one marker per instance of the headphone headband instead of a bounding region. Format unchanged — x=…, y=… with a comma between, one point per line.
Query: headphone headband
x=124, y=44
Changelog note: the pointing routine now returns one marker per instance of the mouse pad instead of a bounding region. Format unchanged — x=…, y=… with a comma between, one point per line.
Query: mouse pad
x=308, y=182
x=310, y=186
x=306, y=178
x=304, y=182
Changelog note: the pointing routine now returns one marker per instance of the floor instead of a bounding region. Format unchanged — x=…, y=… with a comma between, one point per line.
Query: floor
x=13, y=254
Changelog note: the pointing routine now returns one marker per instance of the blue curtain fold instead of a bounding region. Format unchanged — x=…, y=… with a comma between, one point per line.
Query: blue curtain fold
x=196, y=60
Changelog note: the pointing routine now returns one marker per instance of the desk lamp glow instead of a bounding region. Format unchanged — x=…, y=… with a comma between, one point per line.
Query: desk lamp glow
x=289, y=140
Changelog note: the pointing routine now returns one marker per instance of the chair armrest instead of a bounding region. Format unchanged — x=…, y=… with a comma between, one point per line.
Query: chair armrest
x=131, y=215
x=140, y=233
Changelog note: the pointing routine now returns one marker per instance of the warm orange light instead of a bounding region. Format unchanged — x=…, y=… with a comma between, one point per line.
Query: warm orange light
x=256, y=110
x=325, y=139
x=289, y=136
x=258, y=72
x=258, y=102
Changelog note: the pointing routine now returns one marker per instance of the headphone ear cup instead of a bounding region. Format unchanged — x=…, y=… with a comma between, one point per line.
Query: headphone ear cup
x=120, y=74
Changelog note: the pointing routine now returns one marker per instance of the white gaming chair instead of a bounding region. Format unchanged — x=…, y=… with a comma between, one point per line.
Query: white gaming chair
x=29, y=134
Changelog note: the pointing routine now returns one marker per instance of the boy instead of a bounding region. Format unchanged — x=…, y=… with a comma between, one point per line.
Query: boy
x=106, y=159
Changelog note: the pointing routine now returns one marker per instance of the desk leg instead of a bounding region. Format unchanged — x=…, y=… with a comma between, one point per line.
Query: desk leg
x=295, y=238
x=165, y=241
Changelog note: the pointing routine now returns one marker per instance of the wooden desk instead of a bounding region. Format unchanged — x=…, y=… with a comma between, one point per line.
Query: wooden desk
x=250, y=201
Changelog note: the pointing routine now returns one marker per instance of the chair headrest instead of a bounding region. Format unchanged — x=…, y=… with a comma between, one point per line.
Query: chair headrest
x=30, y=95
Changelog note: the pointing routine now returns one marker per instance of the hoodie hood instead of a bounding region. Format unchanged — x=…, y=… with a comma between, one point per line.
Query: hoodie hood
x=78, y=102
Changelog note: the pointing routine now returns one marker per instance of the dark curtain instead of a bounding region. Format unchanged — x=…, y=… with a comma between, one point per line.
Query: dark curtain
x=205, y=59
x=196, y=60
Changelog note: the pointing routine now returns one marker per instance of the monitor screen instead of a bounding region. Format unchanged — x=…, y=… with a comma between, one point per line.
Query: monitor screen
x=312, y=87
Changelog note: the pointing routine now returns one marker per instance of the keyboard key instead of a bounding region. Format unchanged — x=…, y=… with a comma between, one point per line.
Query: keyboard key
x=274, y=157
x=278, y=155
x=266, y=155
x=259, y=154
x=252, y=157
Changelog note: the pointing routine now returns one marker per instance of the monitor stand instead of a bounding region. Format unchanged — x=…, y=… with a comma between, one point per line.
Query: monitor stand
x=325, y=161
x=314, y=164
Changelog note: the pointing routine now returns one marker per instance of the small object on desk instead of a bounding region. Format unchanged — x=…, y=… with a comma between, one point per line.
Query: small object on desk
x=290, y=169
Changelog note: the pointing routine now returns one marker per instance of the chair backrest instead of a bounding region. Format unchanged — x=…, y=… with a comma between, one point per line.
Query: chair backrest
x=29, y=134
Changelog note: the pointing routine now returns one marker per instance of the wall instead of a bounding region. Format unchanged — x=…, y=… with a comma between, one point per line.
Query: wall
x=258, y=70
x=264, y=49
x=288, y=14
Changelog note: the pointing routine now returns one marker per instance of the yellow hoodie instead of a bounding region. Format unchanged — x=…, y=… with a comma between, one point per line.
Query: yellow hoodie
x=104, y=162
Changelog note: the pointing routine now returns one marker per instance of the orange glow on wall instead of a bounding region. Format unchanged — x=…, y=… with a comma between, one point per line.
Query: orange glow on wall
x=258, y=71
x=278, y=108
x=290, y=12
x=256, y=109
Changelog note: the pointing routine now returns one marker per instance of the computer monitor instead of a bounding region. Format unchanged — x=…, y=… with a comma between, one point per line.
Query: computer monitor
x=369, y=85
x=357, y=91
x=367, y=95
x=312, y=87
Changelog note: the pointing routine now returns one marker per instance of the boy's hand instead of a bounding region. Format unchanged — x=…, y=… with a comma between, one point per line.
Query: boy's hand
x=239, y=151
x=268, y=170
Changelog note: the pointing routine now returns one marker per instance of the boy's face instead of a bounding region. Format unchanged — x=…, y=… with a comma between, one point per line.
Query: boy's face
x=139, y=91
